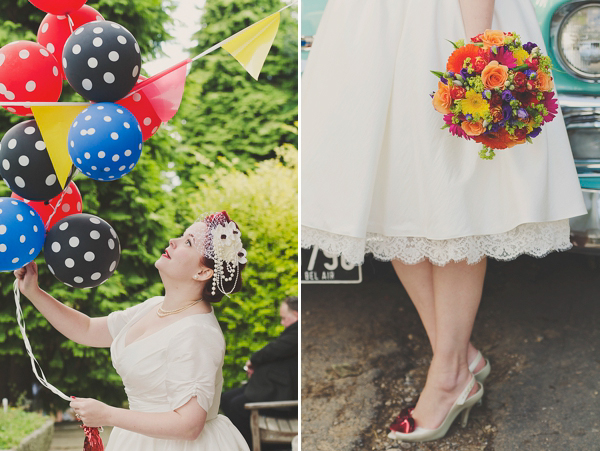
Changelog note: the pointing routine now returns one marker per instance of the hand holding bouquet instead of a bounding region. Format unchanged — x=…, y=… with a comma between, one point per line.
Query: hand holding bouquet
x=496, y=91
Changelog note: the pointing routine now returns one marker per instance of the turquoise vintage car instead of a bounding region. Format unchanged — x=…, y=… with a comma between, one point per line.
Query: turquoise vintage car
x=571, y=30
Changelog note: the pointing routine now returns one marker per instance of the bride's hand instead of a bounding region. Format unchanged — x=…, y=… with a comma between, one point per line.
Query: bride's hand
x=91, y=412
x=28, y=278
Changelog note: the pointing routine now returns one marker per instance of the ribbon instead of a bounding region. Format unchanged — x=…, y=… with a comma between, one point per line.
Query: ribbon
x=92, y=442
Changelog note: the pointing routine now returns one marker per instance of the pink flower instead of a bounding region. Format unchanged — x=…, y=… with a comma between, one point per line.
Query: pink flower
x=551, y=105
x=457, y=130
x=504, y=57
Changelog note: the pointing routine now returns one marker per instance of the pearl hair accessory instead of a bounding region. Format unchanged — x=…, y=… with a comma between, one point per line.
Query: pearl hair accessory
x=218, y=238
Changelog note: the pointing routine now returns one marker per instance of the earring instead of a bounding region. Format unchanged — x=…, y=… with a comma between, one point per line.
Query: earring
x=196, y=277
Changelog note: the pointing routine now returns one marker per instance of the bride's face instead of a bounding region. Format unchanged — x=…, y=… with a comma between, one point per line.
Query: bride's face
x=181, y=259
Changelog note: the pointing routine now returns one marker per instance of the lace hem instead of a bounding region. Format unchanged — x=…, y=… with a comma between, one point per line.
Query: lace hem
x=537, y=239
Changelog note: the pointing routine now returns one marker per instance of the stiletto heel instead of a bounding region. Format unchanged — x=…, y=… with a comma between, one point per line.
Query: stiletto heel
x=465, y=417
x=405, y=428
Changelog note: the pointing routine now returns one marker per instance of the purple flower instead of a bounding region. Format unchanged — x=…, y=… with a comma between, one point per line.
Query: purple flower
x=530, y=73
x=529, y=46
x=486, y=94
x=465, y=73
x=469, y=117
x=507, y=95
x=495, y=127
x=522, y=113
x=506, y=112
x=443, y=80
x=450, y=74
x=536, y=131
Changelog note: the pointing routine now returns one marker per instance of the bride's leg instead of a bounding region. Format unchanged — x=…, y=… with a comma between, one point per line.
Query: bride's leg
x=457, y=291
x=418, y=283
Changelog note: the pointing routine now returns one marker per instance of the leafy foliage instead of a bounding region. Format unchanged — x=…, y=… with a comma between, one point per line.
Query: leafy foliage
x=226, y=112
x=17, y=424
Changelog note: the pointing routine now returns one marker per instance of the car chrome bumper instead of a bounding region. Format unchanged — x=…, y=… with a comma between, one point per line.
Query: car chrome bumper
x=582, y=118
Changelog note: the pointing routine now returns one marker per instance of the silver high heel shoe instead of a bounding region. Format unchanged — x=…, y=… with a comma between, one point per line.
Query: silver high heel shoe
x=405, y=429
x=484, y=372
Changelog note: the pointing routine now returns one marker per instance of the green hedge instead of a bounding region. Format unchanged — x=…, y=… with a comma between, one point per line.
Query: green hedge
x=17, y=424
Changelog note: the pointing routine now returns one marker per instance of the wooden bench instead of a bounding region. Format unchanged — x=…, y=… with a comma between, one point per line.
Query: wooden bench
x=266, y=429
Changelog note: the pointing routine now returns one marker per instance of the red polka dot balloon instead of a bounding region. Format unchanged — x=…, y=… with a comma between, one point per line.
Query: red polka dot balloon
x=71, y=204
x=139, y=105
x=58, y=6
x=28, y=72
x=55, y=30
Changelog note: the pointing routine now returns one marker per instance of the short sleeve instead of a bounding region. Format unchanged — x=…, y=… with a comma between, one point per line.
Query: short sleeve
x=194, y=358
x=117, y=320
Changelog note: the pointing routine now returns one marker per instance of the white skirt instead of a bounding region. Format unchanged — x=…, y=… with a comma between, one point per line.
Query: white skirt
x=378, y=174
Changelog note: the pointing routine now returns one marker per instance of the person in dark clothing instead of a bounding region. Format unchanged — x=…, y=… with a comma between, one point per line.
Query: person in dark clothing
x=272, y=373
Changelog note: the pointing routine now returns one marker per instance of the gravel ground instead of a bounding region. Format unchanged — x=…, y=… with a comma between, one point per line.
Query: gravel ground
x=365, y=356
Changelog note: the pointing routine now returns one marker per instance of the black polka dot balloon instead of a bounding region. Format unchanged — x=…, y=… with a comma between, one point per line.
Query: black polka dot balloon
x=82, y=250
x=25, y=164
x=102, y=61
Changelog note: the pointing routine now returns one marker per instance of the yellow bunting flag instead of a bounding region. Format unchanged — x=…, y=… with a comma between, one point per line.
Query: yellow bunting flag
x=54, y=122
x=251, y=45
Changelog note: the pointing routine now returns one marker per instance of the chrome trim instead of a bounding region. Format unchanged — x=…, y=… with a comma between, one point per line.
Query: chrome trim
x=580, y=111
x=558, y=19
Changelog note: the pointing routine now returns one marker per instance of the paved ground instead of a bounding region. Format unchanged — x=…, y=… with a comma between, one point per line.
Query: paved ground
x=68, y=436
x=365, y=355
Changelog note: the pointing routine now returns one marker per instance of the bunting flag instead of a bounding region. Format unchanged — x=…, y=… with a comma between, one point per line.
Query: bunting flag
x=251, y=46
x=54, y=122
x=164, y=90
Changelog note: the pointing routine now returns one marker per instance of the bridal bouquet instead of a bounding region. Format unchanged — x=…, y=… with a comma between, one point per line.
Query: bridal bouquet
x=496, y=91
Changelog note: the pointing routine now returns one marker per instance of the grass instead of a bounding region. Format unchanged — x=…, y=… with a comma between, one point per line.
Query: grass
x=17, y=424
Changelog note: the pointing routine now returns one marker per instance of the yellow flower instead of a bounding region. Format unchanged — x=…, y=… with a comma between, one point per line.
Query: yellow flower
x=521, y=55
x=473, y=103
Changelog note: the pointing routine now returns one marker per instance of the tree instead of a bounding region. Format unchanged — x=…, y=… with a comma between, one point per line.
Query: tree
x=226, y=112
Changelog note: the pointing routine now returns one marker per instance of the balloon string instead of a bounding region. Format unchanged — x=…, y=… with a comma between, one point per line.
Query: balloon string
x=71, y=23
x=62, y=195
x=34, y=363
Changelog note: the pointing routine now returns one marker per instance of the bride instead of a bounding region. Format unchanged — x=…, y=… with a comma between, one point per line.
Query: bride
x=168, y=350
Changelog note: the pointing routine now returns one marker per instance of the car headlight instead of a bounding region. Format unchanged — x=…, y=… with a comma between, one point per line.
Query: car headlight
x=576, y=33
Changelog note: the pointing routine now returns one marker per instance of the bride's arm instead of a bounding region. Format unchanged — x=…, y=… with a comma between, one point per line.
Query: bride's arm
x=184, y=423
x=72, y=324
x=476, y=15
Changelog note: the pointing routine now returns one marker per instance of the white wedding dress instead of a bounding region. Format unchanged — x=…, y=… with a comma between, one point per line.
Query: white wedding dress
x=164, y=370
x=378, y=173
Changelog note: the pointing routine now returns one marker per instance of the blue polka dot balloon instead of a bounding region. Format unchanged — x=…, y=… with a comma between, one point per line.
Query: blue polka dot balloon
x=105, y=141
x=21, y=234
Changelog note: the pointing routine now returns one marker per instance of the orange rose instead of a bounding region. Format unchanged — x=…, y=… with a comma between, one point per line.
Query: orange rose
x=496, y=113
x=544, y=81
x=472, y=128
x=442, y=99
x=491, y=38
x=494, y=75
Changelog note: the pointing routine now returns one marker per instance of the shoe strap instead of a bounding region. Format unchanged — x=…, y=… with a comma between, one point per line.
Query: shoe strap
x=475, y=362
x=465, y=394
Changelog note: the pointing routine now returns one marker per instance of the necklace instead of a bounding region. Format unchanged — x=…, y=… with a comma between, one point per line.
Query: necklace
x=162, y=313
